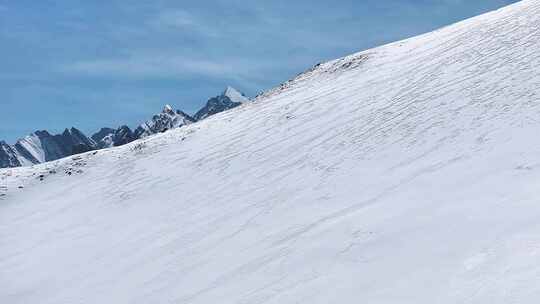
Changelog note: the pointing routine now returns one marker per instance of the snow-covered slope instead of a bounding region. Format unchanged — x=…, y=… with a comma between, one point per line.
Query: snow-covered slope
x=408, y=173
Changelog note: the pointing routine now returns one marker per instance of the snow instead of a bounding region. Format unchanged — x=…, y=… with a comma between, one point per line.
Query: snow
x=107, y=141
x=234, y=95
x=408, y=173
x=23, y=161
x=167, y=109
x=32, y=143
x=165, y=120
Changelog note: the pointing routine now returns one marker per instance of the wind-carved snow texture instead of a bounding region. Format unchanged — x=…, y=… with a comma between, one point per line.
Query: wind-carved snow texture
x=411, y=178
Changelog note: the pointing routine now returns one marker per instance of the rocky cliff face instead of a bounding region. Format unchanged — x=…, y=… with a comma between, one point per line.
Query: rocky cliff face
x=102, y=138
x=8, y=156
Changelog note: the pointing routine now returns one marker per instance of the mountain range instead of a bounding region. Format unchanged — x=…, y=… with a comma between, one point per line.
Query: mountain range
x=41, y=146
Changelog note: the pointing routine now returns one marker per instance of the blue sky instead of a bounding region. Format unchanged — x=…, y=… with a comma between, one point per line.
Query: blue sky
x=91, y=64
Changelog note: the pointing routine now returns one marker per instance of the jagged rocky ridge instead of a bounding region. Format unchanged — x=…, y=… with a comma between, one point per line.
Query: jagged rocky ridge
x=41, y=146
x=167, y=119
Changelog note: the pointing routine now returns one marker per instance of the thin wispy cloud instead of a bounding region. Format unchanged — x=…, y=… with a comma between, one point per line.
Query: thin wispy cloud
x=174, y=19
x=152, y=66
x=168, y=66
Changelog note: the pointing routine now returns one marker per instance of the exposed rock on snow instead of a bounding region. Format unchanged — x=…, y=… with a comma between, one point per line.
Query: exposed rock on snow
x=103, y=138
x=107, y=138
x=8, y=156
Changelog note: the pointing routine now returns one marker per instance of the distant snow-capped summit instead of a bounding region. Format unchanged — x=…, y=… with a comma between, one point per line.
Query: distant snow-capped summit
x=230, y=98
x=41, y=146
x=167, y=119
x=234, y=95
x=107, y=137
x=103, y=137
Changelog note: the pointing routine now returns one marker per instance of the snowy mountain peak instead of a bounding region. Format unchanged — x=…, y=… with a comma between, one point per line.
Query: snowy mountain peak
x=234, y=95
x=41, y=146
x=166, y=120
x=69, y=131
x=107, y=137
x=167, y=109
x=230, y=98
